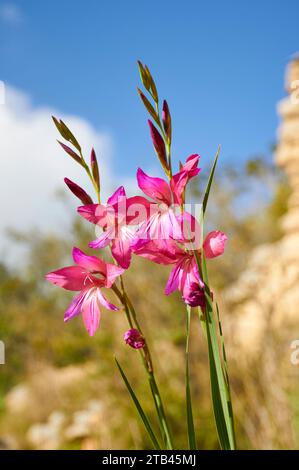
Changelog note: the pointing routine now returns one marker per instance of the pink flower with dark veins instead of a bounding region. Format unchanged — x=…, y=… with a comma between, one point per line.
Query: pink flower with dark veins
x=184, y=275
x=162, y=222
x=118, y=220
x=89, y=276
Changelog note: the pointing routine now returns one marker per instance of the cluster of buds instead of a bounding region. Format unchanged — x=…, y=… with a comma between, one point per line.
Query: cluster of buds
x=161, y=138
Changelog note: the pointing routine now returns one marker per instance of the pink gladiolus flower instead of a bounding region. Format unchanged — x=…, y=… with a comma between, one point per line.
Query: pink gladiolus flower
x=118, y=223
x=134, y=339
x=162, y=222
x=184, y=275
x=88, y=277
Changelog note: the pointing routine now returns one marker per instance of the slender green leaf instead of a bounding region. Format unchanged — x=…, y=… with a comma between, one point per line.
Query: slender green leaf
x=139, y=409
x=160, y=413
x=216, y=398
x=220, y=392
x=190, y=421
x=209, y=184
x=222, y=346
x=222, y=405
x=225, y=370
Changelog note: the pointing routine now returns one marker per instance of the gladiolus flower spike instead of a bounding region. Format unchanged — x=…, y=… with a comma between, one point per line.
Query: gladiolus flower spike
x=151, y=226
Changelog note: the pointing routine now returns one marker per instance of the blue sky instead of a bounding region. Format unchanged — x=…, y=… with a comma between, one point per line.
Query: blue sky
x=219, y=64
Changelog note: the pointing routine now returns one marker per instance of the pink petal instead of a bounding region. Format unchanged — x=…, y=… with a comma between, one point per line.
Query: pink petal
x=174, y=226
x=191, y=165
x=120, y=192
x=173, y=280
x=159, y=251
x=179, y=180
x=75, y=307
x=71, y=278
x=121, y=251
x=105, y=302
x=112, y=272
x=138, y=210
x=162, y=225
x=156, y=188
x=189, y=275
x=91, y=314
x=90, y=263
x=150, y=230
x=94, y=213
x=191, y=231
x=214, y=244
x=178, y=183
x=103, y=240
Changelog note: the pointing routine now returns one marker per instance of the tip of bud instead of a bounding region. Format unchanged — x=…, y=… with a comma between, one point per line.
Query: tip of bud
x=93, y=156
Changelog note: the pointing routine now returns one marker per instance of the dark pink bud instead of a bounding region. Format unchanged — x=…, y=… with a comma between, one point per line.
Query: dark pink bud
x=166, y=119
x=159, y=145
x=195, y=297
x=78, y=192
x=134, y=339
x=93, y=157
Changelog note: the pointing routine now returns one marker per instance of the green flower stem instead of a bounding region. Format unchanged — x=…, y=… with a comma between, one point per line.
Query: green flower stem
x=144, y=352
x=190, y=421
x=147, y=363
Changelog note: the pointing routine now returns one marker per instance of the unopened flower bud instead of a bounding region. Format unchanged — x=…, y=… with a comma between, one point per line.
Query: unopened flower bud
x=78, y=192
x=195, y=296
x=95, y=169
x=159, y=145
x=134, y=339
x=166, y=119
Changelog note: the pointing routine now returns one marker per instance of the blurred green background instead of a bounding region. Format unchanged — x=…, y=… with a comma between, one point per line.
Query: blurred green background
x=60, y=388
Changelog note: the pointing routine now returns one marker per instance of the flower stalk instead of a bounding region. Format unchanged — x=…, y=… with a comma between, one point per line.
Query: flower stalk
x=159, y=234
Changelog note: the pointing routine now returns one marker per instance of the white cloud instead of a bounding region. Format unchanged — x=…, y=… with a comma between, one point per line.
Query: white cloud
x=32, y=165
x=10, y=13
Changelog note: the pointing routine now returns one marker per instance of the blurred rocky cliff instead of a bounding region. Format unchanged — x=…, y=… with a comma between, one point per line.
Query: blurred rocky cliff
x=264, y=302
